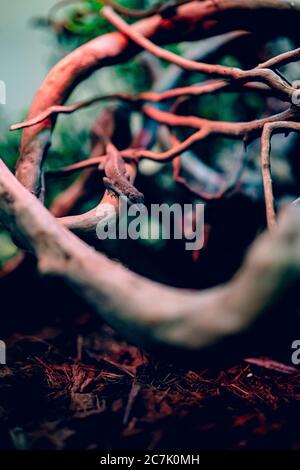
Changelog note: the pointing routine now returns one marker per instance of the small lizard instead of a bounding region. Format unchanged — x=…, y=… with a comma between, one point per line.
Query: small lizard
x=117, y=178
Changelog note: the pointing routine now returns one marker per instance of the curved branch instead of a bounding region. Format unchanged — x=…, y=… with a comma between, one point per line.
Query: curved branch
x=145, y=312
x=264, y=75
x=246, y=131
x=235, y=130
x=88, y=222
x=110, y=126
x=282, y=59
x=268, y=130
x=151, y=96
x=194, y=20
x=116, y=6
x=135, y=154
x=224, y=185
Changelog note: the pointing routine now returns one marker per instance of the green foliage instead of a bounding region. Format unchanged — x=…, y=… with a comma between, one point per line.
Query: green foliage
x=9, y=145
x=7, y=248
x=9, y=150
x=83, y=20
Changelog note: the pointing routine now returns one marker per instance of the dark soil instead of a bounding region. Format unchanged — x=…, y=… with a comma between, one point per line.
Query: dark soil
x=72, y=383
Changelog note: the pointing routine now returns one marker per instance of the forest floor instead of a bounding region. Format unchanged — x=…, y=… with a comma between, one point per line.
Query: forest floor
x=72, y=383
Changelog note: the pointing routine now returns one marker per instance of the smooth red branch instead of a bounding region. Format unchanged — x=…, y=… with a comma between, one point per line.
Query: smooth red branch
x=193, y=20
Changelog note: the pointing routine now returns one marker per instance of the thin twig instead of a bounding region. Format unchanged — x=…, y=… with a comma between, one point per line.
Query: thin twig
x=263, y=75
x=268, y=130
x=209, y=87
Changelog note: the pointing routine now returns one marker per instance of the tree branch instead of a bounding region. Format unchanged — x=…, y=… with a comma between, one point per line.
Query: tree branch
x=193, y=20
x=259, y=74
x=268, y=130
x=145, y=312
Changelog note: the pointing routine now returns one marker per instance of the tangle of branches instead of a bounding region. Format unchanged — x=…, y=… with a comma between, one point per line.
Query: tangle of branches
x=149, y=313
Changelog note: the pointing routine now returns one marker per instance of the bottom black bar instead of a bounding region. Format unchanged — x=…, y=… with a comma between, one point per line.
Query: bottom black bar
x=130, y=459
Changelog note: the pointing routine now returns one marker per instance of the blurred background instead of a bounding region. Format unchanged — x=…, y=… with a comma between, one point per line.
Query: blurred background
x=72, y=383
x=24, y=51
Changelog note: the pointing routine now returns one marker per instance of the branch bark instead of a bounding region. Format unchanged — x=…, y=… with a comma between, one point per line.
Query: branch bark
x=192, y=21
x=146, y=312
